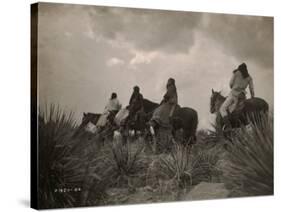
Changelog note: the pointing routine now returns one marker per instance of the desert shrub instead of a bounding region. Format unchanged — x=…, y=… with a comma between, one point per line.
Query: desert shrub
x=176, y=165
x=185, y=167
x=250, y=168
x=205, y=165
x=125, y=163
x=62, y=171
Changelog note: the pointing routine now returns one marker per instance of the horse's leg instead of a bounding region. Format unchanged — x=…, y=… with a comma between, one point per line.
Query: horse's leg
x=219, y=123
x=153, y=144
x=153, y=134
x=127, y=135
x=147, y=140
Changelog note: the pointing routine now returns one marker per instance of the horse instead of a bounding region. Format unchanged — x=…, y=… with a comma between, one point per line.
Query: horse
x=184, y=118
x=183, y=126
x=252, y=111
x=86, y=119
x=139, y=122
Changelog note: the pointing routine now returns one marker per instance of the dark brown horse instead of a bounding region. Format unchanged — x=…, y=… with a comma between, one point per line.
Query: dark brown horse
x=184, y=118
x=139, y=122
x=251, y=111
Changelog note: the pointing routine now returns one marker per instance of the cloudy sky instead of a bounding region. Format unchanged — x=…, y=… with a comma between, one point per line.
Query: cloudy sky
x=87, y=52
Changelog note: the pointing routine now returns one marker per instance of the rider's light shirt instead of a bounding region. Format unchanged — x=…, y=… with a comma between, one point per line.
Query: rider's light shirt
x=238, y=84
x=113, y=104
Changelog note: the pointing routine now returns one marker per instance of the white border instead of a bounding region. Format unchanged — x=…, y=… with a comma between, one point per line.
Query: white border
x=15, y=99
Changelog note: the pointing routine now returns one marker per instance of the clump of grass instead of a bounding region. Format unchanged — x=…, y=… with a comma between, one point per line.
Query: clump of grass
x=205, y=165
x=185, y=167
x=125, y=162
x=250, y=168
x=176, y=165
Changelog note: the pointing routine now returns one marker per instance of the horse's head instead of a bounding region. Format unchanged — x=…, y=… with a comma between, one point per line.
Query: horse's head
x=90, y=117
x=216, y=100
x=85, y=118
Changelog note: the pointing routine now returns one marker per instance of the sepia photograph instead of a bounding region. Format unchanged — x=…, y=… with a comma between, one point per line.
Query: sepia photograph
x=134, y=106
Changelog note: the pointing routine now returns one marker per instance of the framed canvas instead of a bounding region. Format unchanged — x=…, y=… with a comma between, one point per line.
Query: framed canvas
x=133, y=106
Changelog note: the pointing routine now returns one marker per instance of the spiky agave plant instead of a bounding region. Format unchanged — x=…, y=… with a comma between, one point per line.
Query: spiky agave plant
x=126, y=161
x=188, y=167
x=204, y=164
x=176, y=165
x=250, y=168
x=60, y=172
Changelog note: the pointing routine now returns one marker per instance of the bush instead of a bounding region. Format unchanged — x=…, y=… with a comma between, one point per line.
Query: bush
x=185, y=166
x=250, y=168
x=176, y=165
x=62, y=171
x=205, y=165
x=125, y=163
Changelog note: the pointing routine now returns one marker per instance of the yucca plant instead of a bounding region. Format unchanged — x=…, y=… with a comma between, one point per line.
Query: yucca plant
x=126, y=161
x=176, y=165
x=188, y=167
x=250, y=168
x=204, y=164
x=61, y=173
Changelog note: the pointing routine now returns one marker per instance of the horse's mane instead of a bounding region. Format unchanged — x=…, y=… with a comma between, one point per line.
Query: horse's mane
x=147, y=101
x=92, y=114
x=149, y=105
x=220, y=96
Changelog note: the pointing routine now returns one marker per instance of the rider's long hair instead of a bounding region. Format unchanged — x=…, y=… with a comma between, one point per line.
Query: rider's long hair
x=113, y=96
x=171, y=81
x=243, y=69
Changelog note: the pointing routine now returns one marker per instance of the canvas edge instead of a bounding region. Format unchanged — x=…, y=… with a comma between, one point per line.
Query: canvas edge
x=33, y=106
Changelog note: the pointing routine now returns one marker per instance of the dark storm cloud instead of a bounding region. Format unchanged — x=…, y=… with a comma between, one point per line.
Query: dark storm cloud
x=245, y=37
x=146, y=30
x=87, y=52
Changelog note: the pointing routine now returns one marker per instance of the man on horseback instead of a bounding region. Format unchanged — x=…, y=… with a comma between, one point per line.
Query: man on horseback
x=174, y=123
x=135, y=103
x=171, y=96
x=165, y=111
x=239, y=82
x=112, y=107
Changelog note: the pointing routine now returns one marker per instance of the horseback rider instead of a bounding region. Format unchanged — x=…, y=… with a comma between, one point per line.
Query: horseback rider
x=112, y=107
x=171, y=96
x=135, y=103
x=164, y=112
x=240, y=80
